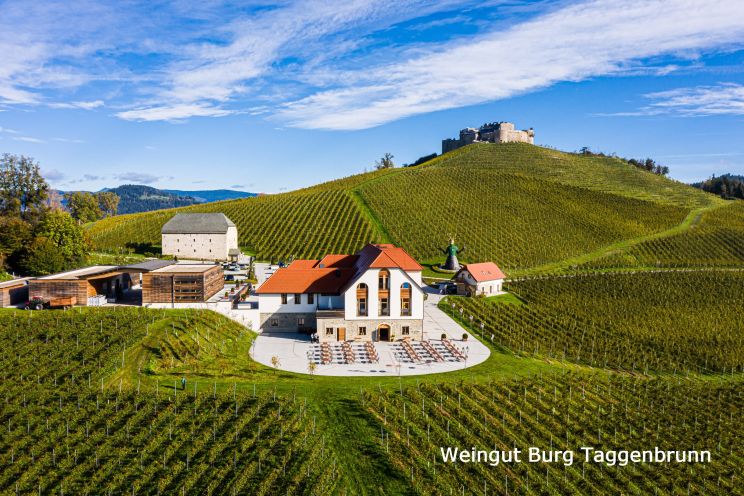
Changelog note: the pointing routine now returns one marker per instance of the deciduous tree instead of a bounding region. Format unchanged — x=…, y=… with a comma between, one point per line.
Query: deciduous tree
x=62, y=230
x=84, y=206
x=23, y=190
x=386, y=162
x=108, y=202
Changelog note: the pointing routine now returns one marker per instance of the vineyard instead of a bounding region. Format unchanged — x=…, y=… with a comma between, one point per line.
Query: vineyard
x=67, y=430
x=498, y=216
x=560, y=412
x=520, y=205
x=273, y=227
x=673, y=321
x=717, y=240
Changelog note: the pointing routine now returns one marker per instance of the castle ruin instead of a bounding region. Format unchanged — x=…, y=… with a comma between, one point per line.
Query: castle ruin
x=493, y=132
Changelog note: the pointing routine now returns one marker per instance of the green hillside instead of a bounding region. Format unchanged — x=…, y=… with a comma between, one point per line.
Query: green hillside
x=521, y=205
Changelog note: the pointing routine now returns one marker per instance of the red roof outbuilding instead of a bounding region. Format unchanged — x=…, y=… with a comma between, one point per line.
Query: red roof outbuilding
x=484, y=271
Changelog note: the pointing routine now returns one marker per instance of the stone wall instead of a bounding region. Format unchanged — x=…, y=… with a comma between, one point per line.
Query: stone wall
x=416, y=329
x=495, y=132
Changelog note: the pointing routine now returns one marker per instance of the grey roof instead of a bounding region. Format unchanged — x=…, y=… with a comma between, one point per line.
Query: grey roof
x=148, y=265
x=197, y=224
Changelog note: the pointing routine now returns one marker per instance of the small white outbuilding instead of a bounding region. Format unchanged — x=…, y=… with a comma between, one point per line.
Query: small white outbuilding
x=483, y=278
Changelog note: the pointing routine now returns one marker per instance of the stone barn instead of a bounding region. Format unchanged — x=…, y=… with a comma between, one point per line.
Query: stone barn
x=200, y=237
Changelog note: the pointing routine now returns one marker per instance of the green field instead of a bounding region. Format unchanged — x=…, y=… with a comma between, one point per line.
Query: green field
x=519, y=205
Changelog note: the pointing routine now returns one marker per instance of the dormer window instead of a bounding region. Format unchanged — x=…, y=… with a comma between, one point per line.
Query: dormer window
x=384, y=279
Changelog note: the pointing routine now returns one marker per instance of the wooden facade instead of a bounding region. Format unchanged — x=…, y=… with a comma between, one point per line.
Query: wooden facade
x=60, y=288
x=108, y=282
x=13, y=293
x=185, y=286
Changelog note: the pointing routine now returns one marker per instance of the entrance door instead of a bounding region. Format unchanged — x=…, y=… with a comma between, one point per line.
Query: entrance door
x=342, y=333
x=384, y=333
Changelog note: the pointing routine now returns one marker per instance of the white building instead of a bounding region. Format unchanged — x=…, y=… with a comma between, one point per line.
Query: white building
x=375, y=295
x=200, y=237
x=479, y=279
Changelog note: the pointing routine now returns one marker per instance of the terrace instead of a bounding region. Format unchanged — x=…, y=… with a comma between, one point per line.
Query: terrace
x=360, y=358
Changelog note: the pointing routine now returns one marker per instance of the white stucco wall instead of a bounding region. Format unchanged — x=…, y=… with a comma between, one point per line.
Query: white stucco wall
x=490, y=287
x=397, y=278
x=200, y=246
x=272, y=303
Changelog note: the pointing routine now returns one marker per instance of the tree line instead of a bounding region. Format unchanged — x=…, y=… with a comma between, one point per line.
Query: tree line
x=647, y=164
x=35, y=238
x=727, y=186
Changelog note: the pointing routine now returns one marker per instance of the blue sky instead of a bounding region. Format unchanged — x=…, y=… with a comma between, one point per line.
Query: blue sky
x=270, y=96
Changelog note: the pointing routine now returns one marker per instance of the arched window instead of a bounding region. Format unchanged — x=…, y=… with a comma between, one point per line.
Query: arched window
x=362, y=295
x=384, y=279
x=405, y=299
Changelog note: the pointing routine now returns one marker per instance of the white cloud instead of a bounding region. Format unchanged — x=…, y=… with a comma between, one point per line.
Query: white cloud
x=722, y=99
x=335, y=65
x=53, y=175
x=138, y=177
x=28, y=139
x=173, y=112
x=78, y=105
x=596, y=37
x=211, y=74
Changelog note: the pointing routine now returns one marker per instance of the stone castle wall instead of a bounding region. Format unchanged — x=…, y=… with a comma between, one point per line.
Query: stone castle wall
x=495, y=132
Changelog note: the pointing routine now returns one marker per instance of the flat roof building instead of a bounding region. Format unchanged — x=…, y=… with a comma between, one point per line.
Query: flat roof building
x=182, y=283
x=13, y=292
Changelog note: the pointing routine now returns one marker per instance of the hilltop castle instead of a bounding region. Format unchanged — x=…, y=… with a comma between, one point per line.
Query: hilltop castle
x=493, y=132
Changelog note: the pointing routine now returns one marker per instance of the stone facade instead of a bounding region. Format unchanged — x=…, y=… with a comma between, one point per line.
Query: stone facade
x=200, y=237
x=198, y=246
x=368, y=330
x=494, y=132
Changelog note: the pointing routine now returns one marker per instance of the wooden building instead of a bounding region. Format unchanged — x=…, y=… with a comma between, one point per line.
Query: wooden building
x=13, y=292
x=108, y=280
x=182, y=283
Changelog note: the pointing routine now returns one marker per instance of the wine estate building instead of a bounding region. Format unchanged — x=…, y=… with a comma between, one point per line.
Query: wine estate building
x=200, y=237
x=374, y=295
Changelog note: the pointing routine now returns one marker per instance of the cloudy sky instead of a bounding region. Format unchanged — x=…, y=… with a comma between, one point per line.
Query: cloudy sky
x=269, y=96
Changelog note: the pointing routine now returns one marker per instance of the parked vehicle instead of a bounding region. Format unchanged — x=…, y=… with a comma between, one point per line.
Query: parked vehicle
x=39, y=303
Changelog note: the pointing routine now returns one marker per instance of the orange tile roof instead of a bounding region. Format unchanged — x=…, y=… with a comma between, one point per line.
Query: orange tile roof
x=484, y=271
x=388, y=256
x=303, y=264
x=333, y=272
x=290, y=280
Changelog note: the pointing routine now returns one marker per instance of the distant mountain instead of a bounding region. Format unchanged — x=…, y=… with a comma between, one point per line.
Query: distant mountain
x=138, y=198
x=211, y=195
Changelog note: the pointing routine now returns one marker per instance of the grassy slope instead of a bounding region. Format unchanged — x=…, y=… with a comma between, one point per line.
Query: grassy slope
x=711, y=237
x=521, y=205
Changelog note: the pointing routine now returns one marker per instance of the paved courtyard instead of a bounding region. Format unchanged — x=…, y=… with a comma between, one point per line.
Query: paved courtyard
x=295, y=350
